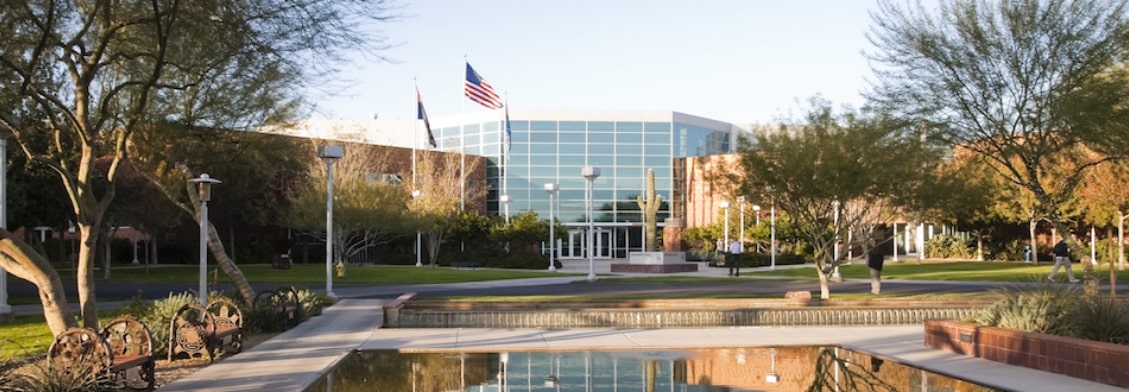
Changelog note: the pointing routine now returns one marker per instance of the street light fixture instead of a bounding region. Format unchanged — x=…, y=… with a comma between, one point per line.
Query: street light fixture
x=330, y=154
x=204, y=186
x=552, y=189
x=419, y=238
x=591, y=173
x=725, y=206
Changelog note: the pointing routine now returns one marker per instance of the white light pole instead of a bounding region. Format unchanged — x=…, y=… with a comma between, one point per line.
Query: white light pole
x=204, y=185
x=757, y=212
x=591, y=173
x=741, y=206
x=330, y=154
x=772, y=233
x=419, y=238
x=835, y=243
x=552, y=189
x=505, y=200
x=725, y=206
x=5, y=308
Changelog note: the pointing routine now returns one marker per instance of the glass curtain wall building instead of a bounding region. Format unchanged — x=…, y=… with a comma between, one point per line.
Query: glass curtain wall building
x=551, y=146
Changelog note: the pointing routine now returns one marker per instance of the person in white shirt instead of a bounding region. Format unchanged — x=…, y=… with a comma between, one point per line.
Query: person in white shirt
x=735, y=258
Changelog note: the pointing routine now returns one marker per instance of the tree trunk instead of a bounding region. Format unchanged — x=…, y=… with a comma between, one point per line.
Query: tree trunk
x=228, y=266
x=88, y=308
x=1031, y=232
x=824, y=284
x=434, y=239
x=23, y=262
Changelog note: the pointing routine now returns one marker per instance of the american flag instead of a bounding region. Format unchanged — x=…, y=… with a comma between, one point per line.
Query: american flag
x=479, y=91
x=422, y=115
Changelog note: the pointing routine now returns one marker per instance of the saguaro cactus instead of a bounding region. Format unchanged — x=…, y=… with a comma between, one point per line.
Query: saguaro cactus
x=650, y=208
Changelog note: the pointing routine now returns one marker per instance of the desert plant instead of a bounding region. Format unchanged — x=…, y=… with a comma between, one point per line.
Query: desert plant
x=160, y=314
x=1100, y=319
x=948, y=247
x=312, y=303
x=44, y=377
x=1039, y=307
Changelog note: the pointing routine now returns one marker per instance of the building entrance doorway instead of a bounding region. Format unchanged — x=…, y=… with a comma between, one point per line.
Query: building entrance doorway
x=574, y=246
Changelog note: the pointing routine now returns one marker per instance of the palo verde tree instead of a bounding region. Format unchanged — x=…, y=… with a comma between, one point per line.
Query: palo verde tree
x=438, y=189
x=835, y=174
x=1017, y=82
x=78, y=79
x=370, y=205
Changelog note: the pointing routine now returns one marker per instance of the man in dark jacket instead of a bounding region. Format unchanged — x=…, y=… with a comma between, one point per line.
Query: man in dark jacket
x=874, y=259
x=1062, y=259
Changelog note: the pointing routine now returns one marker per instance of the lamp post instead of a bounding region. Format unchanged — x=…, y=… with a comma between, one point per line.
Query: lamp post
x=725, y=207
x=5, y=308
x=835, y=276
x=330, y=154
x=772, y=233
x=204, y=185
x=757, y=213
x=741, y=207
x=419, y=238
x=552, y=189
x=591, y=173
x=505, y=200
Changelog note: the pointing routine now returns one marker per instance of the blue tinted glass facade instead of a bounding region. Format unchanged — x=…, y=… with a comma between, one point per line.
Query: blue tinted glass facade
x=547, y=150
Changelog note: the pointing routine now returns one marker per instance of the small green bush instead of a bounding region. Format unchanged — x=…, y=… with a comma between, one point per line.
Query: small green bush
x=159, y=315
x=1044, y=308
x=948, y=247
x=1100, y=319
x=48, y=378
x=312, y=303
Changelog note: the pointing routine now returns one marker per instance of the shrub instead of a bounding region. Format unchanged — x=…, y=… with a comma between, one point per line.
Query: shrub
x=312, y=303
x=46, y=377
x=1044, y=308
x=948, y=247
x=159, y=315
x=1101, y=319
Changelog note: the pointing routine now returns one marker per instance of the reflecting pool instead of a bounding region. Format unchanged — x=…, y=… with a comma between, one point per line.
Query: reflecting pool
x=691, y=370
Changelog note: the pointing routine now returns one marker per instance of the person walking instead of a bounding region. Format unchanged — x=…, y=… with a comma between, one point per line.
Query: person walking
x=735, y=258
x=875, y=257
x=1062, y=259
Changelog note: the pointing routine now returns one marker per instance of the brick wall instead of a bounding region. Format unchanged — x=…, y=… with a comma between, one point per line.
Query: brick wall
x=1089, y=360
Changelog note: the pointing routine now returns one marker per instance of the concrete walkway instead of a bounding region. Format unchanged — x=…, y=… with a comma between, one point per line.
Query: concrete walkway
x=297, y=358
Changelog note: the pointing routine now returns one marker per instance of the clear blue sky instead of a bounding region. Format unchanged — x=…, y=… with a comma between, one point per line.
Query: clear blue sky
x=741, y=61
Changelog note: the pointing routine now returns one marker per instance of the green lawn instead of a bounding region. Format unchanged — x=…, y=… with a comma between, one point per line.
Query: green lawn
x=27, y=335
x=947, y=271
x=305, y=274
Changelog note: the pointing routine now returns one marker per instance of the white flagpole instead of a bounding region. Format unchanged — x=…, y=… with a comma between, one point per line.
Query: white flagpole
x=462, y=144
x=415, y=132
x=505, y=153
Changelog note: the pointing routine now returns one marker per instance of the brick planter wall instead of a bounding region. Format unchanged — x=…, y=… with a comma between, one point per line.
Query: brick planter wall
x=1095, y=361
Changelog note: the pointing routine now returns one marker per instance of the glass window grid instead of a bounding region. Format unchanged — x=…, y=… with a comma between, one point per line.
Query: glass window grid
x=621, y=167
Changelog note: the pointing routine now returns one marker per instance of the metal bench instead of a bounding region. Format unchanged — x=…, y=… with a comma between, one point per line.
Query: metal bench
x=124, y=350
x=196, y=331
x=283, y=302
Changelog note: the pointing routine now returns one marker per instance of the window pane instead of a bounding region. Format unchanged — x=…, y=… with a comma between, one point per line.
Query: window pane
x=572, y=126
x=601, y=138
x=628, y=126
x=601, y=126
x=572, y=137
x=543, y=125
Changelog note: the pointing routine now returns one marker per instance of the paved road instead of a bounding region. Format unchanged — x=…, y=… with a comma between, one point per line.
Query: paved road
x=609, y=286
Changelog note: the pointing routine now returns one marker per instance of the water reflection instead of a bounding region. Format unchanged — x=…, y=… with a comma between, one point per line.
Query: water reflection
x=707, y=370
